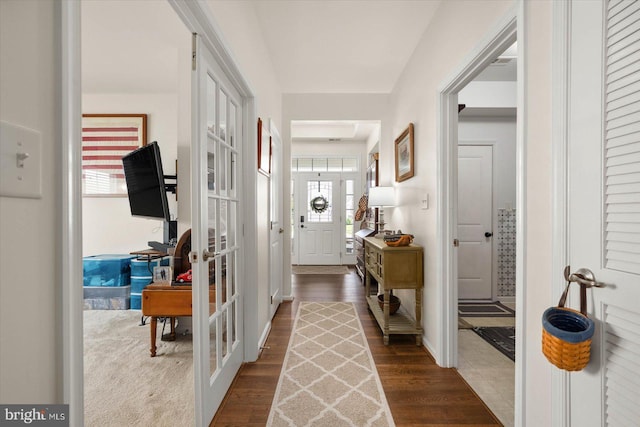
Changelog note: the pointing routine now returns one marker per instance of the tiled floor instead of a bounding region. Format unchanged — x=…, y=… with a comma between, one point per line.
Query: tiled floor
x=490, y=373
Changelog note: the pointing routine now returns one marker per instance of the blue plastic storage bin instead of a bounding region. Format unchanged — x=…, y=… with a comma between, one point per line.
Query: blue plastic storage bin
x=136, y=301
x=107, y=270
x=143, y=268
x=139, y=283
x=106, y=297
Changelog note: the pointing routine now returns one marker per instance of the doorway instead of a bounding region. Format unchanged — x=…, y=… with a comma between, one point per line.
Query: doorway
x=319, y=213
x=228, y=198
x=328, y=159
x=486, y=232
x=475, y=221
x=497, y=42
x=139, y=34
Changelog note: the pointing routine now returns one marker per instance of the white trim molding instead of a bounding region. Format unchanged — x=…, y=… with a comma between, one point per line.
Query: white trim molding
x=71, y=253
x=560, y=401
x=510, y=28
x=495, y=43
x=198, y=19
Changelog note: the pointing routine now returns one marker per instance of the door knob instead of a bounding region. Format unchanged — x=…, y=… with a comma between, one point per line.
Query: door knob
x=207, y=255
x=281, y=231
x=488, y=234
x=583, y=276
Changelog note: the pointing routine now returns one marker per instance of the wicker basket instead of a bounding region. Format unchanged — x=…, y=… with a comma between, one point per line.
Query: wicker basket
x=566, y=334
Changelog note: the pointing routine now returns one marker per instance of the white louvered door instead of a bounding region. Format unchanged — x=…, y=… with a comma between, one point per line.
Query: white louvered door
x=604, y=204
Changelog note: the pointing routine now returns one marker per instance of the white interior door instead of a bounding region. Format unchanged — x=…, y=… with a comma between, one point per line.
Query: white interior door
x=277, y=224
x=319, y=218
x=604, y=204
x=475, y=204
x=216, y=238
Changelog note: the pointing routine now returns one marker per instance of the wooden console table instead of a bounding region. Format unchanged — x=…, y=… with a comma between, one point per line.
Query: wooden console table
x=169, y=301
x=394, y=268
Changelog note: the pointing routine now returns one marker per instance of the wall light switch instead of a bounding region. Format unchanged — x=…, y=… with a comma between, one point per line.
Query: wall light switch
x=424, y=202
x=20, y=162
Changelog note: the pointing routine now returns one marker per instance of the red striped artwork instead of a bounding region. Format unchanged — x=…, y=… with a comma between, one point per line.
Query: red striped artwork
x=105, y=140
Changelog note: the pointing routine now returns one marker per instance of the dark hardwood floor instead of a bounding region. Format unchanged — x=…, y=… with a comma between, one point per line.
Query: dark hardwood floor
x=418, y=391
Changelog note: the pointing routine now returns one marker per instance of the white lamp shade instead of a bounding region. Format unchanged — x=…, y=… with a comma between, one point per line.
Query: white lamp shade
x=381, y=196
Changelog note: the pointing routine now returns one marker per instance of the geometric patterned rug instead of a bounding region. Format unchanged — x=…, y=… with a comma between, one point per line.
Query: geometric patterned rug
x=328, y=377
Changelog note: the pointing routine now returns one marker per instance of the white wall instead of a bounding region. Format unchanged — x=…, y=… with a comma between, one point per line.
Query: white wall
x=483, y=94
x=30, y=256
x=331, y=149
x=414, y=100
x=500, y=133
x=538, y=295
x=107, y=224
x=241, y=31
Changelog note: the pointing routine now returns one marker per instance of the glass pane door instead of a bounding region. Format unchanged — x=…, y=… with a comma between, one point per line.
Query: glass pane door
x=218, y=350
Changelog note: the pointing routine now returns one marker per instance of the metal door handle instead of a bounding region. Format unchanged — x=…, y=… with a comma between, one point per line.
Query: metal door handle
x=281, y=231
x=582, y=276
x=206, y=254
x=488, y=234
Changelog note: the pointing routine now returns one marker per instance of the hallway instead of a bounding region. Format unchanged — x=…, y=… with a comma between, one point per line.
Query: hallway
x=418, y=391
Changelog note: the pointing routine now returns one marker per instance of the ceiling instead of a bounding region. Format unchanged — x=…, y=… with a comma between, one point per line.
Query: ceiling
x=334, y=130
x=131, y=46
x=341, y=46
x=316, y=46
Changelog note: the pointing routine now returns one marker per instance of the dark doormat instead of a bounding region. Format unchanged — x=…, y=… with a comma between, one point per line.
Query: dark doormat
x=502, y=338
x=484, y=309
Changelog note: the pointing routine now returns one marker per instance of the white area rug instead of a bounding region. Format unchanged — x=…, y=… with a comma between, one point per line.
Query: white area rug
x=123, y=385
x=328, y=377
x=320, y=269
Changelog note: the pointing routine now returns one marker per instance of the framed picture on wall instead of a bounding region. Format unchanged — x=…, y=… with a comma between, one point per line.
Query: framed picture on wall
x=264, y=149
x=105, y=139
x=404, y=154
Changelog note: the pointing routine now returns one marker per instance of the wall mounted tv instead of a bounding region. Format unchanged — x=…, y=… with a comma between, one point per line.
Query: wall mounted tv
x=145, y=182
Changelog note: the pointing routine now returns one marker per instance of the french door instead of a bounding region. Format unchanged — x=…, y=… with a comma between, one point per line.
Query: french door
x=319, y=218
x=216, y=237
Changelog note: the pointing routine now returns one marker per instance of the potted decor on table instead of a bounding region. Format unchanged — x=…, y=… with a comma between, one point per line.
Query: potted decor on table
x=394, y=302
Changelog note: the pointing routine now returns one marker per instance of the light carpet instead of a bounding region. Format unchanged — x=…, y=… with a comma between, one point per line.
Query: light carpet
x=328, y=376
x=320, y=269
x=123, y=385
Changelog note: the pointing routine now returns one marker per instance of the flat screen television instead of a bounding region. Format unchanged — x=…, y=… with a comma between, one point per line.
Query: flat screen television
x=145, y=182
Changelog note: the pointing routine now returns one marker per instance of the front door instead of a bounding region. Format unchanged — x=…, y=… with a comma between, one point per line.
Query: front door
x=216, y=238
x=475, y=204
x=319, y=218
x=604, y=204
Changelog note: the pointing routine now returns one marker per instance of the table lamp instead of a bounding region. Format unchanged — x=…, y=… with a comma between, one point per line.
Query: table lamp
x=381, y=197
